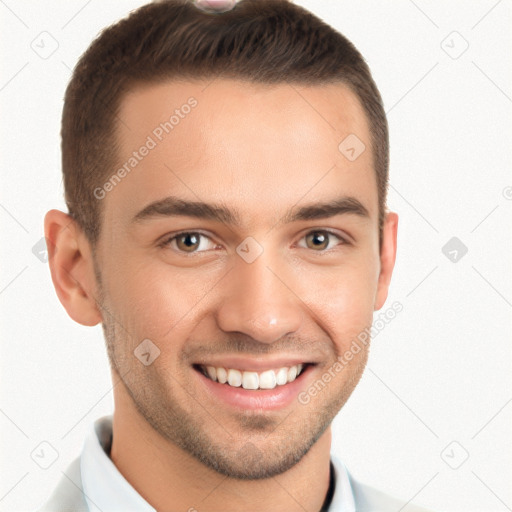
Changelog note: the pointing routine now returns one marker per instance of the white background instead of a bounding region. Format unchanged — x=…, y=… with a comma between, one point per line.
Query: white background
x=440, y=372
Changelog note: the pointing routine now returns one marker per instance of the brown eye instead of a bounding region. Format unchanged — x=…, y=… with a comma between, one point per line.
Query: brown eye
x=322, y=240
x=188, y=242
x=317, y=240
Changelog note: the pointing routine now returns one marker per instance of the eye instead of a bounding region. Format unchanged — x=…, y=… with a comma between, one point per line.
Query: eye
x=189, y=242
x=319, y=240
x=322, y=240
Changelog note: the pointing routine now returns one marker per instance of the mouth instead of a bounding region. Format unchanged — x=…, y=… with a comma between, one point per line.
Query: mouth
x=249, y=380
x=243, y=384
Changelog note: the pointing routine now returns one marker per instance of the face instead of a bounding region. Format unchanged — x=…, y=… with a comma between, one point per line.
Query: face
x=243, y=239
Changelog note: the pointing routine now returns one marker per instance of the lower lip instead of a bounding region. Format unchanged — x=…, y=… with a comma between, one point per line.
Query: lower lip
x=247, y=399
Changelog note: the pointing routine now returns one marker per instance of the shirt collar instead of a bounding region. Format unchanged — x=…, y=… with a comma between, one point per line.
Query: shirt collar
x=106, y=490
x=343, y=498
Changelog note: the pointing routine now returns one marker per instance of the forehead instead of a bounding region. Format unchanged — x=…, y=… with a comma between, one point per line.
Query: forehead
x=242, y=144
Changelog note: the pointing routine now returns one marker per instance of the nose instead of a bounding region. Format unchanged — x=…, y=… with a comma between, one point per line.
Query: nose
x=259, y=301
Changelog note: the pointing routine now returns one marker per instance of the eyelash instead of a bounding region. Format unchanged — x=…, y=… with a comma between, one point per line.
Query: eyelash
x=167, y=241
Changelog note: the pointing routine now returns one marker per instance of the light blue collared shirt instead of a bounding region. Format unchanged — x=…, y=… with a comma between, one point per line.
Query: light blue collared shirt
x=106, y=489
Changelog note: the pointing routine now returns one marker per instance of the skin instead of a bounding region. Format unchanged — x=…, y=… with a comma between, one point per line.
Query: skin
x=177, y=446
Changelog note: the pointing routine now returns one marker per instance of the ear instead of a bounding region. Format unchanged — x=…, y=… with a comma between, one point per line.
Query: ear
x=387, y=258
x=71, y=266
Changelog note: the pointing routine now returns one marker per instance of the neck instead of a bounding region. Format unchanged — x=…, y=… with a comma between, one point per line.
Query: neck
x=170, y=480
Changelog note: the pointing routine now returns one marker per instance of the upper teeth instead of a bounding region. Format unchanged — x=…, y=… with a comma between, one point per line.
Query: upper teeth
x=267, y=379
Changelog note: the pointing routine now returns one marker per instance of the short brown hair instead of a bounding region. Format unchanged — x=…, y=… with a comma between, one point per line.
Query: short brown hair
x=262, y=41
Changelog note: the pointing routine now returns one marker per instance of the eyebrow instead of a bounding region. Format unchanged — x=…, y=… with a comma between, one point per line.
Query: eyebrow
x=173, y=206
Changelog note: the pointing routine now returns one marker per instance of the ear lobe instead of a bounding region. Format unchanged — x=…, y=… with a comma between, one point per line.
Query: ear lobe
x=71, y=267
x=387, y=258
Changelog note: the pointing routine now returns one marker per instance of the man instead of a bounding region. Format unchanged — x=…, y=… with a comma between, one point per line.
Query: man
x=225, y=169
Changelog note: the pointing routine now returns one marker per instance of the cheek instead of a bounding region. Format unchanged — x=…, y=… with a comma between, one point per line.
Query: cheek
x=164, y=303
x=159, y=302
x=342, y=299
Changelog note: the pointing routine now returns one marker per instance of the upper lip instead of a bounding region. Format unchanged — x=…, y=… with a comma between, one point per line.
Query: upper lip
x=254, y=364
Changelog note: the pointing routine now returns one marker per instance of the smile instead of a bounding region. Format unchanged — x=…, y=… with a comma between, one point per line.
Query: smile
x=251, y=380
